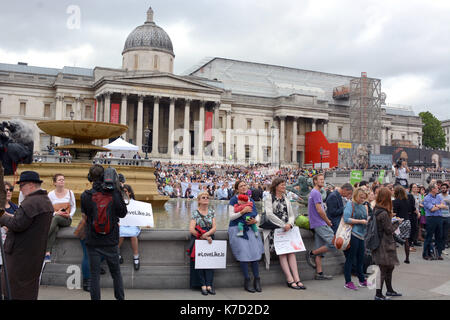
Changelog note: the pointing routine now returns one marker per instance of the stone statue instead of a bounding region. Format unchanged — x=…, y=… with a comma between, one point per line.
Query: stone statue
x=305, y=185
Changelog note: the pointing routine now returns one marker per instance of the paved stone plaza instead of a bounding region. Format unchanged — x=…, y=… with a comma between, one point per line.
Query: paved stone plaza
x=420, y=280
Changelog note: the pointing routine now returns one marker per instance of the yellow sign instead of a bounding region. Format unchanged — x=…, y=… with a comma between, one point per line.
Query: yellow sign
x=344, y=145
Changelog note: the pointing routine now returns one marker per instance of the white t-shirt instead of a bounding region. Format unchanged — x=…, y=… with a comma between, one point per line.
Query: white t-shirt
x=69, y=197
x=402, y=173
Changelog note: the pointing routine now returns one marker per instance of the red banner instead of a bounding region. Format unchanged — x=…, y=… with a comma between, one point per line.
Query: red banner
x=208, y=126
x=115, y=111
x=314, y=143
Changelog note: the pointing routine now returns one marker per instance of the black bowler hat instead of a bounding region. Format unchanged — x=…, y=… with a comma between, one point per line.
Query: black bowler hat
x=29, y=176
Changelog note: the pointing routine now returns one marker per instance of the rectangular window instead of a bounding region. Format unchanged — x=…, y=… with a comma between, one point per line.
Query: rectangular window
x=249, y=124
x=232, y=123
x=221, y=122
x=23, y=106
x=68, y=110
x=88, y=112
x=47, y=110
x=340, y=132
x=247, y=152
x=266, y=125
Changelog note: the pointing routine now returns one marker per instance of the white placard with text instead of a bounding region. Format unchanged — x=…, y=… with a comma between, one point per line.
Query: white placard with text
x=140, y=214
x=288, y=241
x=210, y=255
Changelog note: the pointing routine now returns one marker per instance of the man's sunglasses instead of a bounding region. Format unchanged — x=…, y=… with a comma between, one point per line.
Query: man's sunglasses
x=9, y=189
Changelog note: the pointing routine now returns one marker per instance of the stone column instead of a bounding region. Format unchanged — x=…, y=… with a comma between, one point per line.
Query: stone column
x=201, y=130
x=155, y=137
x=140, y=121
x=98, y=107
x=186, y=133
x=228, y=137
x=294, y=140
x=59, y=114
x=282, y=137
x=171, y=127
x=313, y=124
x=107, y=110
x=216, y=115
x=123, y=113
x=78, y=101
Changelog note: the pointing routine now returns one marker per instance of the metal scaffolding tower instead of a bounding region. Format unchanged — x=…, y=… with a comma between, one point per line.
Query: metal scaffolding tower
x=365, y=110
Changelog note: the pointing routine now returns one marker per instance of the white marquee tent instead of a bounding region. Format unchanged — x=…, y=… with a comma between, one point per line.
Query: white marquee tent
x=121, y=145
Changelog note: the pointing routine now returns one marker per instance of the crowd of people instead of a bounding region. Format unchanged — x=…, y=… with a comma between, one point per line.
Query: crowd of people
x=407, y=214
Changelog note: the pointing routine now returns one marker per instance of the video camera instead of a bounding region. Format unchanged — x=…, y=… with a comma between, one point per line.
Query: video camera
x=111, y=180
x=16, y=142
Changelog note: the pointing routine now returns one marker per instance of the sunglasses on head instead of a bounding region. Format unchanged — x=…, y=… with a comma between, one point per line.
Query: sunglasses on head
x=9, y=189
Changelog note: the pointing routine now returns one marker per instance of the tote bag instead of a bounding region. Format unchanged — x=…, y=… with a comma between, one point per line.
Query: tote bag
x=341, y=239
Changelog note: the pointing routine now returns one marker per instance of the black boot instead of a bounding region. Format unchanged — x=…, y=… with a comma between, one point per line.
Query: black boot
x=257, y=284
x=247, y=286
x=87, y=285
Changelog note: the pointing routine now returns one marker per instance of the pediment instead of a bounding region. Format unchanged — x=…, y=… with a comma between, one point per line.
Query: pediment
x=168, y=81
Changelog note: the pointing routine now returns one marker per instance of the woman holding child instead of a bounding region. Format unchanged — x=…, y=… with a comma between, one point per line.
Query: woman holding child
x=246, y=244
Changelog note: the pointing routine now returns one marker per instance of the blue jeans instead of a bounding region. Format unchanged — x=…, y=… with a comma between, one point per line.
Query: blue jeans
x=85, y=263
x=433, y=227
x=354, y=253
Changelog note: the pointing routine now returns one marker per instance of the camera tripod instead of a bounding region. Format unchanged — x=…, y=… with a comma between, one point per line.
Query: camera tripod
x=5, y=273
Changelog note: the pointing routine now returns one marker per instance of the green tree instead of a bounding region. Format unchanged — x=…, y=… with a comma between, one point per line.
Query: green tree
x=433, y=134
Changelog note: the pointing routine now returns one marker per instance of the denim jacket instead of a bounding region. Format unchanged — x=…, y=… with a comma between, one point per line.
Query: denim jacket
x=359, y=230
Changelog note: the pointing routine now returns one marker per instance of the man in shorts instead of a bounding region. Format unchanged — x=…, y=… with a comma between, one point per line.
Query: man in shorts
x=319, y=222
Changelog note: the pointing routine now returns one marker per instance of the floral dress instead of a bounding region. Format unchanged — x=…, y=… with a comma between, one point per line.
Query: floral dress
x=203, y=221
x=280, y=210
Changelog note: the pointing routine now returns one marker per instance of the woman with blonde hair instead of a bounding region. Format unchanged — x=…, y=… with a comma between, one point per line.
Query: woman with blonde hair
x=385, y=256
x=202, y=227
x=355, y=213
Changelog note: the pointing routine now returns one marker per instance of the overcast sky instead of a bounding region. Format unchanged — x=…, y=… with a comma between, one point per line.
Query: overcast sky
x=404, y=43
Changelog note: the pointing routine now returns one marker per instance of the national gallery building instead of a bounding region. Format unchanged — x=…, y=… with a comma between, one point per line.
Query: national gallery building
x=221, y=111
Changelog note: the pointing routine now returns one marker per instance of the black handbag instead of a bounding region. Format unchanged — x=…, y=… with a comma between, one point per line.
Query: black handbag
x=265, y=223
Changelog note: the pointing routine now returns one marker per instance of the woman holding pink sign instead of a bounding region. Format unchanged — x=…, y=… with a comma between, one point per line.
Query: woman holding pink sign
x=280, y=212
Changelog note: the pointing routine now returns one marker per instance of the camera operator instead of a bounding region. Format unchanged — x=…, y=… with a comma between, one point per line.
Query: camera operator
x=401, y=173
x=104, y=243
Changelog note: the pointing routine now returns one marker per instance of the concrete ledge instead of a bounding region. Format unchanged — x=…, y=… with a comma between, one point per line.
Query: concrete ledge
x=165, y=264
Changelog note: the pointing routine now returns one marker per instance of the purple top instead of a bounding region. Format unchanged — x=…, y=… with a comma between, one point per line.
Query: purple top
x=314, y=218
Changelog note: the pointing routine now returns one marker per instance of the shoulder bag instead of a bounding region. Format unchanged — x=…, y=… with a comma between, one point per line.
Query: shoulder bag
x=341, y=239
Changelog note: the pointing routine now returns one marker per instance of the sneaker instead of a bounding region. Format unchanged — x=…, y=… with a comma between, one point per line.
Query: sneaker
x=47, y=258
x=382, y=298
x=240, y=234
x=363, y=284
x=310, y=259
x=322, y=277
x=350, y=286
x=445, y=252
x=136, y=263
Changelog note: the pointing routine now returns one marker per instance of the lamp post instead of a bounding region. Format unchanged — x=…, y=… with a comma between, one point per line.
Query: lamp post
x=321, y=153
x=145, y=146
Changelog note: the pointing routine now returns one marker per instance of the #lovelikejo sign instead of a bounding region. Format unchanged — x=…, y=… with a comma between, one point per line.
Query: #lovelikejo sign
x=210, y=255
x=140, y=214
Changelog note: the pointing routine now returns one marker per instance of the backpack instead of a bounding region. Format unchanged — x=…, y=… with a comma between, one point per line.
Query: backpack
x=372, y=239
x=102, y=220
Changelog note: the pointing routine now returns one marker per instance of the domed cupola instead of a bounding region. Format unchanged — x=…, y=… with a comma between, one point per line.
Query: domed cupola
x=148, y=48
